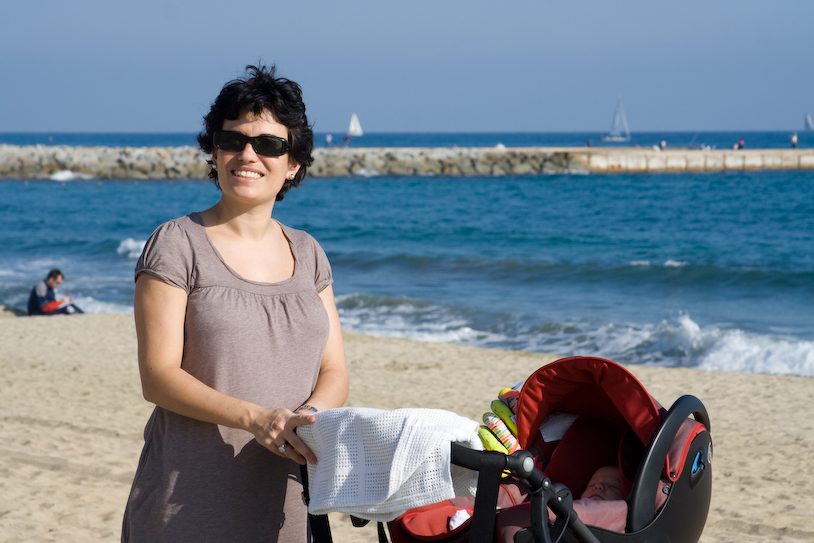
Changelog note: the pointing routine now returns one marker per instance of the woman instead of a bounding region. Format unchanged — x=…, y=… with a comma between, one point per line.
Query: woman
x=238, y=337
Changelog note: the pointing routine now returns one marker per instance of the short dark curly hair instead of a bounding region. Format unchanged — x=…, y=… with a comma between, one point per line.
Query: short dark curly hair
x=259, y=92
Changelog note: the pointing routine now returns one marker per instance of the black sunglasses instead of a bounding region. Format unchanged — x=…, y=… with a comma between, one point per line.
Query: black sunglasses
x=235, y=142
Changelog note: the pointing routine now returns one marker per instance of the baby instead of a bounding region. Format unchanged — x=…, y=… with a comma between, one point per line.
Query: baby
x=605, y=485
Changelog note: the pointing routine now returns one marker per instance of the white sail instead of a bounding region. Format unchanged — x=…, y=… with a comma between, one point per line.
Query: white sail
x=619, y=130
x=809, y=124
x=355, y=129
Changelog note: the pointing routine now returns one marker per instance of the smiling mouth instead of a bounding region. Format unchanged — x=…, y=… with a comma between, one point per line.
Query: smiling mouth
x=246, y=175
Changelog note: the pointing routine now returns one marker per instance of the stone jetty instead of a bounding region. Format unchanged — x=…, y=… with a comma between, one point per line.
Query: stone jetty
x=55, y=162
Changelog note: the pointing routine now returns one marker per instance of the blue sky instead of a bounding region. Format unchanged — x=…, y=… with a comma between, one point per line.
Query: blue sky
x=419, y=66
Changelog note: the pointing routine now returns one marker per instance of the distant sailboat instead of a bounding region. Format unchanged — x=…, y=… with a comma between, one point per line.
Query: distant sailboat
x=619, y=130
x=808, y=122
x=355, y=129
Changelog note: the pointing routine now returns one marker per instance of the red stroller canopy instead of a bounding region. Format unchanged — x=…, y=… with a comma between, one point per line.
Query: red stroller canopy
x=585, y=386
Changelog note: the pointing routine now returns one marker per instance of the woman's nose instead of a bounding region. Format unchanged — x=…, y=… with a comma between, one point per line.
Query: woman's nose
x=248, y=152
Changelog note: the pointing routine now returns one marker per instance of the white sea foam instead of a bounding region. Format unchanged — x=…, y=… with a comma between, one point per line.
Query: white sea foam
x=90, y=305
x=367, y=172
x=405, y=319
x=685, y=343
x=131, y=248
x=677, y=342
x=68, y=175
x=667, y=263
x=738, y=351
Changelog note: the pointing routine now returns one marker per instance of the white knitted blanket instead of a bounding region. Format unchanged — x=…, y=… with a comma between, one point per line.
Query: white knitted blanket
x=377, y=464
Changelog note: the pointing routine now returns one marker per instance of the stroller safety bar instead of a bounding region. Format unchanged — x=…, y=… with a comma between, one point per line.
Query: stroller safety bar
x=643, y=495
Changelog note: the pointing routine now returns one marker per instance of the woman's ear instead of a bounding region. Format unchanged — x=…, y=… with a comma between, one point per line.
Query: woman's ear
x=293, y=168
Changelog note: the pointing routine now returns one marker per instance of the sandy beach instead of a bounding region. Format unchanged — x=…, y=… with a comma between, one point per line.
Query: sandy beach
x=73, y=416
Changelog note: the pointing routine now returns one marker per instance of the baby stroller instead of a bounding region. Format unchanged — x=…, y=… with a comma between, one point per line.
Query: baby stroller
x=664, y=458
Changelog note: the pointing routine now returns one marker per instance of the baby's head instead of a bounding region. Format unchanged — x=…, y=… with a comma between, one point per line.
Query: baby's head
x=605, y=484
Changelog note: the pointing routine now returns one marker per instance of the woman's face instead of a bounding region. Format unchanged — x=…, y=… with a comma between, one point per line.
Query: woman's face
x=245, y=175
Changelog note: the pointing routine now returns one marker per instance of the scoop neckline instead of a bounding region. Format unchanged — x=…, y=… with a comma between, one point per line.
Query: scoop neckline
x=199, y=221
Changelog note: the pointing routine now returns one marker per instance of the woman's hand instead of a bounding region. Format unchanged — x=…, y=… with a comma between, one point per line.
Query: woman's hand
x=275, y=430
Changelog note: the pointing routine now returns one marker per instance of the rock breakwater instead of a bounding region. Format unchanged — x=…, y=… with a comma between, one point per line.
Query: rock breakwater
x=45, y=161
x=55, y=162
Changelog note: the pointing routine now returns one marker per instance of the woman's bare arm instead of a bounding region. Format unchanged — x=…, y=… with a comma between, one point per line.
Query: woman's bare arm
x=332, y=384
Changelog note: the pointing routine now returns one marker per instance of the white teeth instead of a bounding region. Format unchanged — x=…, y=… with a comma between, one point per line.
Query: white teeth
x=250, y=175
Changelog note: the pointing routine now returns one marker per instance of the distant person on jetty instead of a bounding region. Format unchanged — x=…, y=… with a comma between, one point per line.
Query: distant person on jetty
x=239, y=340
x=328, y=140
x=43, y=299
x=794, y=141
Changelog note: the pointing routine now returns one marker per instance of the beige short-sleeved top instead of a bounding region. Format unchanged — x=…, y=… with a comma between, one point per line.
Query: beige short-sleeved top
x=262, y=342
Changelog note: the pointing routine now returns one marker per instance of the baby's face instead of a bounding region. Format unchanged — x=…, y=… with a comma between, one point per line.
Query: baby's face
x=604, y=485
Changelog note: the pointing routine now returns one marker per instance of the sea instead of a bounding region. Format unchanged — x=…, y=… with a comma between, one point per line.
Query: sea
x=705, y=270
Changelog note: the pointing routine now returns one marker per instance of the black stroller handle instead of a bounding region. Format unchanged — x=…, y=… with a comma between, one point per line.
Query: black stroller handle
x=521, y=465
x=643, y=496
x=544, y=494
x=490, y=466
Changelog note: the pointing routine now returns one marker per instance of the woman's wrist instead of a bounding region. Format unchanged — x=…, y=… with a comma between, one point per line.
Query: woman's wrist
x=254, y=419
x=308, y=407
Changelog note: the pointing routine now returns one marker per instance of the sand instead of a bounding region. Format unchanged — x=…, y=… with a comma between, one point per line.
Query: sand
x=72, y=419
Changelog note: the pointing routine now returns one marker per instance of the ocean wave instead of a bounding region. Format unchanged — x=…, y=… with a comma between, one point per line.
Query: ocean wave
x=91, y=305
x=406, y=318
x=669, y=263
x=680, y=342
x=738, y=351
x=131, y=248
x=684, y=343
x=541, y=272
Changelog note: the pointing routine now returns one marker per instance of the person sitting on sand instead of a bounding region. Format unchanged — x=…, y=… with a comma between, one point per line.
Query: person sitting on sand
x=43, y=299
x=605, y=486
